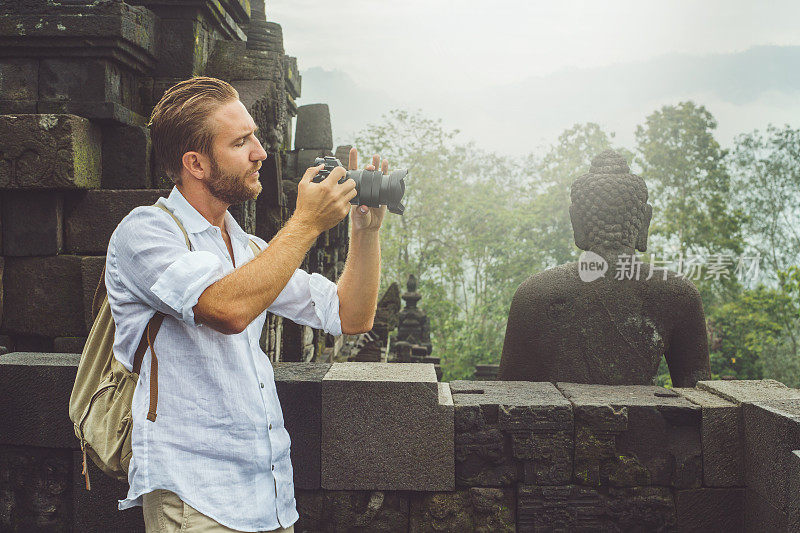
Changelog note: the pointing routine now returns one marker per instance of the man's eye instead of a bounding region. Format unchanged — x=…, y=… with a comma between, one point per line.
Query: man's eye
x=240, y=143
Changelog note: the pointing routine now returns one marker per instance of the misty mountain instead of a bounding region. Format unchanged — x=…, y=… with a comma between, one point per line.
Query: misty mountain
x=744, y=91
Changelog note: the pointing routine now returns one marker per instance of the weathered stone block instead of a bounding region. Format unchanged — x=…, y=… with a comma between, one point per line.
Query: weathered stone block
x=313, y=128
x=33, y=223
x=579, y=508
x=48, y=152
x=91, y=272
x=635, y=435
x=508, y=429
x=35, y=489
x=232, y=60
x=69, y=344
x=182, y=47
x=386, y=426
x=749, y=390
x=35, y=388
x=722, y=438
x=761, y=515
x=772, y=433
x=708, y=510
x=86, y=80
x=46, y=296
x=91, y=217
x=366, y=511
x=19, y=79
x=299, y=387
x=474, y=509
x=126, y=157
x=96, y=510
x=32, y=343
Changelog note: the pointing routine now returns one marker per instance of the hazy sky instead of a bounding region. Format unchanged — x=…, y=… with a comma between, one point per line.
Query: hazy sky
x=418, y=46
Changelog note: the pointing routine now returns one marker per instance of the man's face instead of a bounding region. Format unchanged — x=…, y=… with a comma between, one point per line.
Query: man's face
x=236, y=155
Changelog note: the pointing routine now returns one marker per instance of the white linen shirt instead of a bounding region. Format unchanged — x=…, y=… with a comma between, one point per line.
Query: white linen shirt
x=218, y=440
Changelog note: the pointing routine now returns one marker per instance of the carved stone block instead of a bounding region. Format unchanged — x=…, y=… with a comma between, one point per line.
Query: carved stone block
x=299, y=387
x=710, y=510
x=46, y=295
x=33, y=223
x=474, y=509
x=386, y=426
x=126, y=157
x=313, y=128
x=35, y=489
x=48, y=151
x=376, y=511
x=19, y=84
x=92, y=216
x=722, y=438
x=505, y=430
x=30, y=385
x=69, y=344
x=772, y=433
x=635, y=435
x=579, y=508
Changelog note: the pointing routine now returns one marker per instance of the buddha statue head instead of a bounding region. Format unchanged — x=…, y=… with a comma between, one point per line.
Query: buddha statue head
x=609, y=212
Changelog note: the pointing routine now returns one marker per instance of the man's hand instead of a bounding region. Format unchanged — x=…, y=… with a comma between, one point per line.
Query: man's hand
x=367, y=219
x=323, y=205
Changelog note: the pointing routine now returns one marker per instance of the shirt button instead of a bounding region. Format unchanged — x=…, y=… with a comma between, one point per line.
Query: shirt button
x=313, y=303
x=273, y=467
x=262, y=385
x=270, y=426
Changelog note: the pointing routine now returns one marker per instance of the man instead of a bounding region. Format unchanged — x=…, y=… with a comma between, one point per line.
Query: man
x=217, y=456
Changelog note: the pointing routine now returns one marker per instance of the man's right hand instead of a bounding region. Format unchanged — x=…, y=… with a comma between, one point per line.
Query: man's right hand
x=323, y=205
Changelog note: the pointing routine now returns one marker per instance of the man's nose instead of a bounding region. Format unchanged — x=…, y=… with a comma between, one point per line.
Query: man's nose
x=260, y=154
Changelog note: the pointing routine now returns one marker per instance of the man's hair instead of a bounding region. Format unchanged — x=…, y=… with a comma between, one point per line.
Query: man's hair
x=179, y=121
x=611, y=201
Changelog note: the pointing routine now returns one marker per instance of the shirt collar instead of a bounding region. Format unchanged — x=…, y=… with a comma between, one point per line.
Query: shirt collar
x=194, y=222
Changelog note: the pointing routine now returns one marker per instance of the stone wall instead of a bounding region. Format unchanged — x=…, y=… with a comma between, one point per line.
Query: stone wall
x=385, y=447
x=77, y=80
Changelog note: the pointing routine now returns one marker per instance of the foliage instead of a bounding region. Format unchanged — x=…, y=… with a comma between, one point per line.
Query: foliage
x=457, y=236
x=766, y=186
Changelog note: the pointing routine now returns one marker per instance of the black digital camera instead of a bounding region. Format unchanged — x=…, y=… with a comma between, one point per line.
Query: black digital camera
x=374, y=189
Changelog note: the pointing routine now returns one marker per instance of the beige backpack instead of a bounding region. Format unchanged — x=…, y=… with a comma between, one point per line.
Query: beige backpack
x=100, y=403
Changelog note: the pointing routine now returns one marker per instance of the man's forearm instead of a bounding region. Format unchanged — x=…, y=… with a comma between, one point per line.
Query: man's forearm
x=231, y=303
x=358, y=285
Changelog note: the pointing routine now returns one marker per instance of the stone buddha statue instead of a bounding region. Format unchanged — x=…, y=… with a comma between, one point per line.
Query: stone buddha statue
x=609, y=317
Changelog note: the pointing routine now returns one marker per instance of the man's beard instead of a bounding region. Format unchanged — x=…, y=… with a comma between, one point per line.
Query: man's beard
x=230, y=188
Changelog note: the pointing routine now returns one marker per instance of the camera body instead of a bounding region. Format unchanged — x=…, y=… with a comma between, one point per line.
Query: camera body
x=374, y=189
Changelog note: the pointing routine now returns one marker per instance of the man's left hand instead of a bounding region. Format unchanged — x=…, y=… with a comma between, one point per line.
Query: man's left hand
x=365, y=218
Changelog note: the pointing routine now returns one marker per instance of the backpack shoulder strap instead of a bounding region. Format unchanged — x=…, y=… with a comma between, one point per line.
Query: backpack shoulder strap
x=256, y=248
x=149, y=337
x=178, y=222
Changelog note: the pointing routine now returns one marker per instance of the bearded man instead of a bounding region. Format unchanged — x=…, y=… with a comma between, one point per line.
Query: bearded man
x=217, y=456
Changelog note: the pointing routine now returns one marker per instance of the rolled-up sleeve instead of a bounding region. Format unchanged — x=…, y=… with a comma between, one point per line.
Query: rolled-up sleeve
x=148, y=257
x=310, y=300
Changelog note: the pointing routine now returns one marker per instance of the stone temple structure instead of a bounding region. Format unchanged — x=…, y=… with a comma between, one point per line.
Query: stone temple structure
x=78, y=80
x=376, y=447
x=582, y=324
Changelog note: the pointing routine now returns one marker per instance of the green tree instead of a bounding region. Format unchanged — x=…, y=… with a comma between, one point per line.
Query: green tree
x=684, y=167
x=766, y=186
x=457, y=235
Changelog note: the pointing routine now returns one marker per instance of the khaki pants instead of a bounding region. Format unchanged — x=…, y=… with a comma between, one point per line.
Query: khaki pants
x=165, y=512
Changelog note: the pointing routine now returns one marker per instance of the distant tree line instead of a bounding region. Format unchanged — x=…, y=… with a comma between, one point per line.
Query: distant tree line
x=477, y=224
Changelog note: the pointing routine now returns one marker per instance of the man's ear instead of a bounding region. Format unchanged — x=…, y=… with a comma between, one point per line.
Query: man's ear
x=577, y=229
x=641, y=239
x=196, y=164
